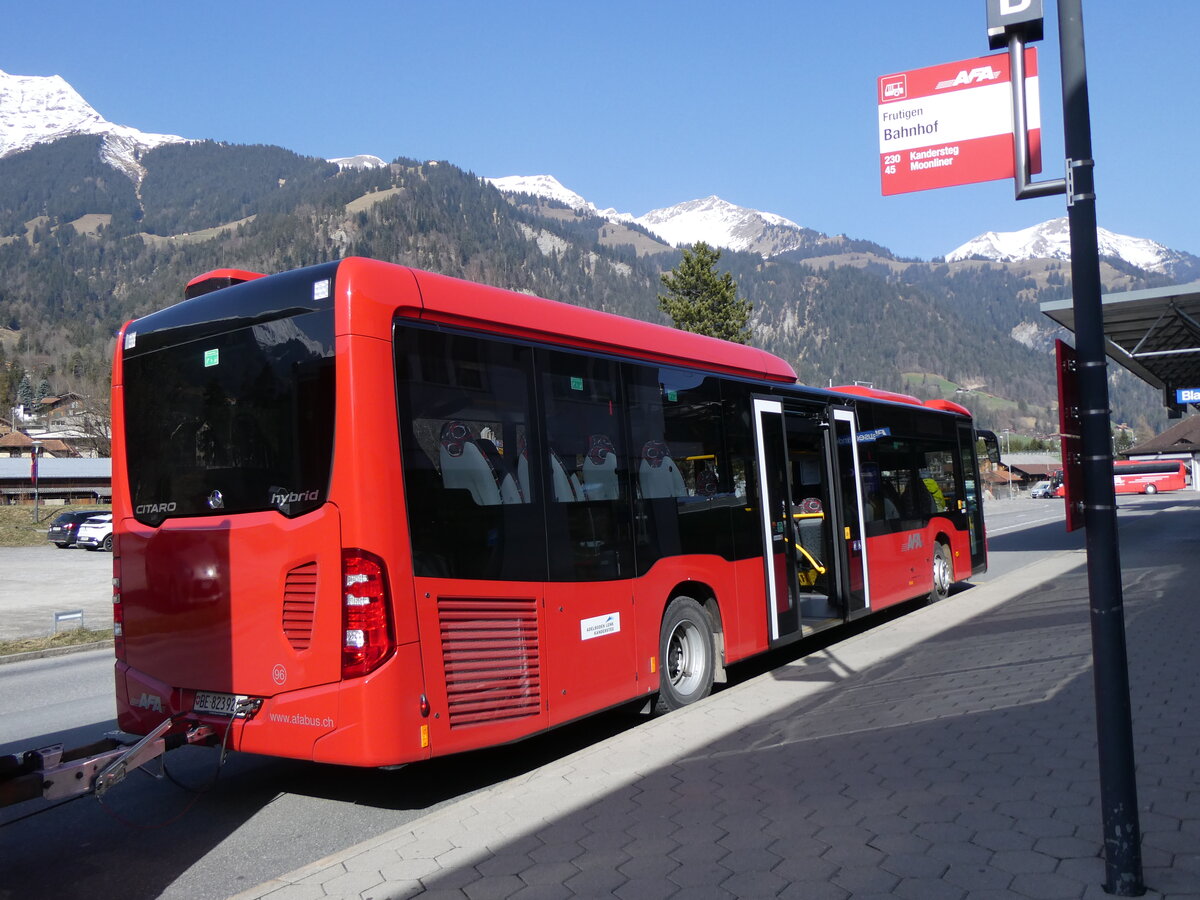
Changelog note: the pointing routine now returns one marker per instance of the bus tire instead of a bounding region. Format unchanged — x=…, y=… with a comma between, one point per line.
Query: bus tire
x=943, y=573
x=1151, y=489
x=685, y=649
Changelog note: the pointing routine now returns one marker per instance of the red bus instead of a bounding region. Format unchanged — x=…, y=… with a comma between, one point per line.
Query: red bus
x=1142, y=476
x=367, y=515
x=1149, y=476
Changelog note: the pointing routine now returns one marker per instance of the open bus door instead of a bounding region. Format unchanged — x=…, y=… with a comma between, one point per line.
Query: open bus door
x=856, y=584
x=972, y=497
x=811, y=516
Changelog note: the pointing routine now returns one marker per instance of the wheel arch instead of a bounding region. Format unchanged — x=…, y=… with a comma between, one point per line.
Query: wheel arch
x=946, y=539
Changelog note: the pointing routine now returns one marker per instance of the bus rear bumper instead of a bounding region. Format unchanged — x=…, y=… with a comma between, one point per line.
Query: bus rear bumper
x=371, y=721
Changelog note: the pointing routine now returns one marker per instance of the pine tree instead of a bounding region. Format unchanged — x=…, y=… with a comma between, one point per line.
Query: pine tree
x=700, y=300
x=25, y=392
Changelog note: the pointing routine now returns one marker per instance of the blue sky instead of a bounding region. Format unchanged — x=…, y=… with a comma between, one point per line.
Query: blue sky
x=636, y=105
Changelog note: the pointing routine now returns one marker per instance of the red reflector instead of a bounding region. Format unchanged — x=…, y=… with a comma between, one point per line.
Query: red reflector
x=366, y=614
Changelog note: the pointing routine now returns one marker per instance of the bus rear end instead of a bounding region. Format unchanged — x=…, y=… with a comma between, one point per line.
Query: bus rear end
x=244, y=597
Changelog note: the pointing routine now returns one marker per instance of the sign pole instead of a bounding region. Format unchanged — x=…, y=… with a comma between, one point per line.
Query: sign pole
x=931, y=135
x=1114, y=725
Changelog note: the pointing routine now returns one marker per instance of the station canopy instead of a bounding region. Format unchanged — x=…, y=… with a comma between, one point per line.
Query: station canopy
x=1154, y=333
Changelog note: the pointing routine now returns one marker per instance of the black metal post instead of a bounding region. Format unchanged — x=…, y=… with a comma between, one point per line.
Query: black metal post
x=1114, y=721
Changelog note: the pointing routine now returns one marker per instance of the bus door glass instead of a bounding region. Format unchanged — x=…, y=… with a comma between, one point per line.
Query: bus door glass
x=794, y=482
x=972, y=506
x=855, y=583
x=782, y=591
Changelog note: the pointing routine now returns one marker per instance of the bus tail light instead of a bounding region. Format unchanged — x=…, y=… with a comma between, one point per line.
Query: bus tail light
x=368, y=639
x=118, y=612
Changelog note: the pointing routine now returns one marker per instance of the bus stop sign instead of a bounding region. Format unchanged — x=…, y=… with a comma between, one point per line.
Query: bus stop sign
x=952, y=124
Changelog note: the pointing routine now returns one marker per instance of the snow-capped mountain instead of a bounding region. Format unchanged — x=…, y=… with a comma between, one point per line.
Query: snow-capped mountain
x=548, y=187
x=712, y=220
x=362, y=161
x=722, y=224
x=1052, y=240
x=38, y=110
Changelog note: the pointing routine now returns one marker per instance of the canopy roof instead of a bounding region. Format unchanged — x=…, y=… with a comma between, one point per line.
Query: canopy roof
x=1153, y=333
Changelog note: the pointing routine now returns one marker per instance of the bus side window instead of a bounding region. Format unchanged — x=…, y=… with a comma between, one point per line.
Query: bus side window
x=589, y=519
x=471, y=484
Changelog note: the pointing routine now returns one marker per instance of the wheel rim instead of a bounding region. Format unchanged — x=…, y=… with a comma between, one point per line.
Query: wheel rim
x=685, y=658
x=941, y=574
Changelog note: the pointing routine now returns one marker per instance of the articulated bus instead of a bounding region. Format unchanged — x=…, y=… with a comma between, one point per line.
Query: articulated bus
x=368, y=515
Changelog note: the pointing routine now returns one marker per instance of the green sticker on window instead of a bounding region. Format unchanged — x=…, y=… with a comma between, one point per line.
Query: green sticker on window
x=576, y=383
x=673, y=396
x=211, y=358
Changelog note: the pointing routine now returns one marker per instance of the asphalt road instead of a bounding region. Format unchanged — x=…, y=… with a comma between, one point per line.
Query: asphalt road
x=200, y=831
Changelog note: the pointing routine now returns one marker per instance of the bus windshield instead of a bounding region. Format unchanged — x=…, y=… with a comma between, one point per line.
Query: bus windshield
x=239, y=421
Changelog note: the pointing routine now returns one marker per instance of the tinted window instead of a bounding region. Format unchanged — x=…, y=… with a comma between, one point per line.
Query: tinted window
x=588, y=465
x=236, y=421
x=907, y=461
x=687, y=480
x=472, y=475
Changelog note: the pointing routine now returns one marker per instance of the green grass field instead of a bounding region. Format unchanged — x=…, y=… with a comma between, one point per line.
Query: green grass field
x=17, y=528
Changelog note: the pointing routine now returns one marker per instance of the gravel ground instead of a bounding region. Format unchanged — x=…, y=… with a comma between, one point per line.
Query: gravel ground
x=37, y=582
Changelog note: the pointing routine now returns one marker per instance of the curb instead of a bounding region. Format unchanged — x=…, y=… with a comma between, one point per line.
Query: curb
x=53, y=651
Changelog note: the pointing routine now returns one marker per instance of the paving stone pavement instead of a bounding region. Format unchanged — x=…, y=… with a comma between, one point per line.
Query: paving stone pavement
x=948, y=753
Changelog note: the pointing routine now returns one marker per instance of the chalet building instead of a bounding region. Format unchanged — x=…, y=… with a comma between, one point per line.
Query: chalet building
x=59, y=481
x=17, y=444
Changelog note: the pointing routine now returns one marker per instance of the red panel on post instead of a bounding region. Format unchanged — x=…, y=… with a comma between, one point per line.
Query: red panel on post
x=1066, y=360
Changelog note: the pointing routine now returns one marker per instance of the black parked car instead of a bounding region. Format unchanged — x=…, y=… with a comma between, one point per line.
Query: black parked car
x=65, y=528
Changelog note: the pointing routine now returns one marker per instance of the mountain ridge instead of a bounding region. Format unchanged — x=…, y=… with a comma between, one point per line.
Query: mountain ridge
x=41, y=109
x=722, y=224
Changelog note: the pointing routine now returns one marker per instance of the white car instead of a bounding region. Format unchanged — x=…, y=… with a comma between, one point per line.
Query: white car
x=96, y=533
x=1043, y=489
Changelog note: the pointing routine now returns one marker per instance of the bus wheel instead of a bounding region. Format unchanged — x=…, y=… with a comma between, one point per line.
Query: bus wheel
x=685, y=648
x=1151, y=489
x=943, y=574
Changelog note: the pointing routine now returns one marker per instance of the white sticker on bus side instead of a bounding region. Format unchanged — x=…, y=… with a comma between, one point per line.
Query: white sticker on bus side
x=598, y=626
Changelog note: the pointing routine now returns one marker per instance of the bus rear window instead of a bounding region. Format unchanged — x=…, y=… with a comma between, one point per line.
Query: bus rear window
x=238, y=421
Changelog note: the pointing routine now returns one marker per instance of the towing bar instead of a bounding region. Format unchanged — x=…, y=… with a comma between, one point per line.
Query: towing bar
x=55, y=773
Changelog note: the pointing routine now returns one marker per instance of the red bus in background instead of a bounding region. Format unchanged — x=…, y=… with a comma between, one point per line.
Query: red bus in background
x=1143, y=476
x=367, y=515
x=1149, y=476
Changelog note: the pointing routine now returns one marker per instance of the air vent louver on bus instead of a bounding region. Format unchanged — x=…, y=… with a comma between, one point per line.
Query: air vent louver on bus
x=300, y=605
x=492, y=659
